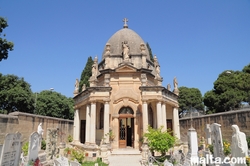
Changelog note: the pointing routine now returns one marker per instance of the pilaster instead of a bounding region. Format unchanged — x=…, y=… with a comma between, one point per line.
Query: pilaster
x=176, y=123
x=106, y=121
x=145, y=116
x=164, y=116
x=93, y=123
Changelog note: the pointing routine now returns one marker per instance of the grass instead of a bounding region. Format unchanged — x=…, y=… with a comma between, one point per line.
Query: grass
x=92, y=163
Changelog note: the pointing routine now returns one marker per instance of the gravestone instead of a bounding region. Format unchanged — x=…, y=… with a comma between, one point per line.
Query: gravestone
x=192, y=155
x=208, y=134
x=34, y=146
x=11, y=150
x=63, y=161
x=239, y=147
x=216, y=138
x=42, y=158
x=51, y=146
x=1, y=147
x=74, y=163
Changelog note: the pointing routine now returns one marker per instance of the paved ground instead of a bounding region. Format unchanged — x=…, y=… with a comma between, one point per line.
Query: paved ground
x=124, y=160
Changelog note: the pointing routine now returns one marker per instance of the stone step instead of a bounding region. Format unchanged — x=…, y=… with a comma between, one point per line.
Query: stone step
x=125, y=151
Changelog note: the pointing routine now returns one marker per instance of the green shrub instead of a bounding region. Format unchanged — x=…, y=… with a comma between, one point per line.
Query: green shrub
x=77, y=155
x=211, y=148
x=43, y=145
x=70, y=138
x=25, y=148
x=158, y=140
x=248, y=141
x=92, y=163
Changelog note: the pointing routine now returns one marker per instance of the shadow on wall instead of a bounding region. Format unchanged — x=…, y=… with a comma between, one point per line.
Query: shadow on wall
x=27, y=123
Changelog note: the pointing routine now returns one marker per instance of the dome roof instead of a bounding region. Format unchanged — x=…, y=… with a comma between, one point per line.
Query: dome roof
x=131, y=37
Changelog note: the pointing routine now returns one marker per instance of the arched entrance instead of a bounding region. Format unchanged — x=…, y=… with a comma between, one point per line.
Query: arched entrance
x=126, y=127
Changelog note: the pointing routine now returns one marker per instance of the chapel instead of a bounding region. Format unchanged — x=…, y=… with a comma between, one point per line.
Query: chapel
x=125, y=96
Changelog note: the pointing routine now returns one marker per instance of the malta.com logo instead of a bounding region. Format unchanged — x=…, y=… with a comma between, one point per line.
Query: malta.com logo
x=209, y=159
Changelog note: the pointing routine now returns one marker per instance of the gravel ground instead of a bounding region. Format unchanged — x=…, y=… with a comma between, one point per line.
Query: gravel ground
x=124, y=160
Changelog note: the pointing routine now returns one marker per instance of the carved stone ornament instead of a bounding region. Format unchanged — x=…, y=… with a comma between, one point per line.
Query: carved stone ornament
x=144, y=79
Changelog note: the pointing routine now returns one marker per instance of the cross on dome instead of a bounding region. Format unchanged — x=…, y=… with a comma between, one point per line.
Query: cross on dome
x=125, y=20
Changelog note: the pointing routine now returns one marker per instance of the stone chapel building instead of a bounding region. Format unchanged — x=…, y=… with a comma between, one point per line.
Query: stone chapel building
x=125, y=96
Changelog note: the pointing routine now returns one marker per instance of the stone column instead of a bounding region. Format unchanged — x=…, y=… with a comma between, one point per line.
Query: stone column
x=116, y=131
x=164, y=117
x=106, y=121
x=159, y=114
x=76, y=127
x=176, y=123
x=87, y=131
x=145, y=116
x=93, y=123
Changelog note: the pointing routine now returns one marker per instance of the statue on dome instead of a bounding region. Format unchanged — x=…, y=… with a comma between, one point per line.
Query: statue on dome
x=125, y=52
x=95, y=68
x=158, y=71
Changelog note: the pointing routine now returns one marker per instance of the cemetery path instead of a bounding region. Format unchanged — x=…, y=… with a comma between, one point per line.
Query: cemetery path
x=124, y=160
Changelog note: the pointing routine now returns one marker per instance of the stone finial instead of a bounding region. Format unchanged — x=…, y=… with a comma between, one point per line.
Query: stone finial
x=83, y=87
x=125, y=20
x=142, y=47
x=107, y=50
x=169, y=87
x=143, y=53
x=107, y=55
x=106, y=80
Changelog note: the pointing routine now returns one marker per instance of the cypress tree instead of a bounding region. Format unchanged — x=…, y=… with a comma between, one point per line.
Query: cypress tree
x=86, y=73
x=150, y=52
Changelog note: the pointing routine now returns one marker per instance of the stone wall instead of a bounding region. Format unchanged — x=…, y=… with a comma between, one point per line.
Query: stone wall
x=225, y=119
x=27, y=123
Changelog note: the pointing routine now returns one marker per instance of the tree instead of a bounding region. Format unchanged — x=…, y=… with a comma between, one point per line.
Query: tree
x=190, y=97
x=150, y=52
x=228, y=93
x=86, y=73
x=15, y=95
x=49, y=103
x=158, y=140
x=5, y=45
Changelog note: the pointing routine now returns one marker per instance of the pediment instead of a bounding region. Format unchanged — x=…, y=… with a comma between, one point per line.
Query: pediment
x=126, y=68
x=126, y=93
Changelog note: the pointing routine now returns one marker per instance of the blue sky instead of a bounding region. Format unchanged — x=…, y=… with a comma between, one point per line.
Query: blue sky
x=194, y=40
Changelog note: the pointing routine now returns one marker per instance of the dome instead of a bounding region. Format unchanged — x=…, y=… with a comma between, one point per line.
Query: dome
x=133, y=40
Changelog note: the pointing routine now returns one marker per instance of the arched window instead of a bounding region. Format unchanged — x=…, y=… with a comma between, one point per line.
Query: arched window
x=126, y=110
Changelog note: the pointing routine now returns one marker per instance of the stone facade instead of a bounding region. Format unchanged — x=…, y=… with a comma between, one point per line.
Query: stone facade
x=225, y=119
x=125, y=96
x=27, y=123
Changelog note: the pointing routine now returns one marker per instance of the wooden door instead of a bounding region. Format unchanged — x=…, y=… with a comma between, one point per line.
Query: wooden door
x=170, y=126
x=122, y=133
x=133, y=131
x=82, y=131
